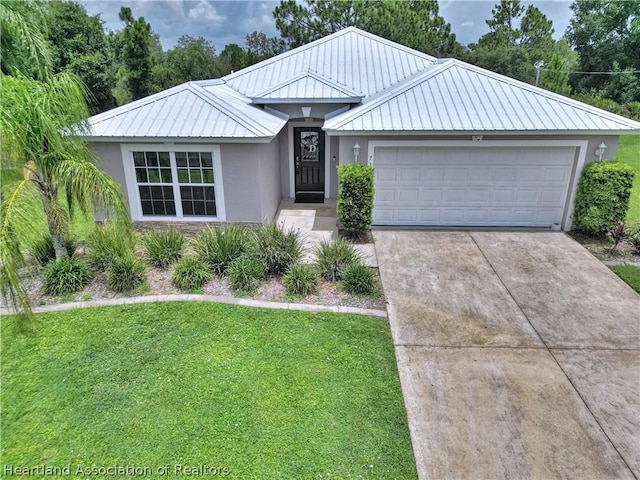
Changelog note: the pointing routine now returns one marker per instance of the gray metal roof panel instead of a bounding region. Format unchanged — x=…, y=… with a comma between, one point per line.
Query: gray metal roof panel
x=191, y=110
x=455, y=96
x=351, y=57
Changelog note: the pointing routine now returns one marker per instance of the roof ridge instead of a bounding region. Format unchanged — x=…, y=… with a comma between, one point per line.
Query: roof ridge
x=544, y=92
x=224, y=107
x=315, y=76
x=325, y=39
x=393, y=91
x=141, y=102
x=288, y=53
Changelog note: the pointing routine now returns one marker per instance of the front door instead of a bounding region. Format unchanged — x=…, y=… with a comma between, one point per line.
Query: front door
x=308, y=162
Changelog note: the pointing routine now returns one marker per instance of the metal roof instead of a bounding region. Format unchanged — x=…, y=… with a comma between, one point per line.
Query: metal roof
x=455, y=96
x=351, y=57
x=206, y=109
x=309, y=87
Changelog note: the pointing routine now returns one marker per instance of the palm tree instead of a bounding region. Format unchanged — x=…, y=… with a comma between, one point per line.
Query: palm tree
x=42, y=122
x=23, y=44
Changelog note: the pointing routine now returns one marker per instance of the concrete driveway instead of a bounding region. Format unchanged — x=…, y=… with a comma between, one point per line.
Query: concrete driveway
x=518, y=355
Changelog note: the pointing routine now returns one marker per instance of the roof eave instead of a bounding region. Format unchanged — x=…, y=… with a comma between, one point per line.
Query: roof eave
x=353, y=133
x=162, y=140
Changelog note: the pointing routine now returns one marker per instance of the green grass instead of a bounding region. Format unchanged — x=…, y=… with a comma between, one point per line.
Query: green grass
x=628, y=273
x=264, y=393
x=629, y=153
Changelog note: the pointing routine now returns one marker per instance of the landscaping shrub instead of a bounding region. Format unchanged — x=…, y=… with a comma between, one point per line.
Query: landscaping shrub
x=64, y=276
x=358, y=279
x=246, y=272
x=164, y=247
x=219, y=247
x=355, y=198
x=300, y=279
x=43, y=252
x=618, y=233
x=126, y=273
x=602, y=198
x=108, y=242
x=277, y=248
x=190, y=272
x=333, y=257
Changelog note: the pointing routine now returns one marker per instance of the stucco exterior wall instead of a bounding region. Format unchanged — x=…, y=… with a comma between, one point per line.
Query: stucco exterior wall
x=110, y=160
x=270, y=179
x=283, y=140
x=251, y=176
x=345, y=150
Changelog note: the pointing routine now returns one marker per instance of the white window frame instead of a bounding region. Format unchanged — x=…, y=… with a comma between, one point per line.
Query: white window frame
x=135, y=203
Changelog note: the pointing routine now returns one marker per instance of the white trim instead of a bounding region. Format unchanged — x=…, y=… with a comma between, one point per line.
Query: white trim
x=578, y=163
x=292, y=177
x=180, y=140
x=133, y=194
x=327, y=165
x=463, y=133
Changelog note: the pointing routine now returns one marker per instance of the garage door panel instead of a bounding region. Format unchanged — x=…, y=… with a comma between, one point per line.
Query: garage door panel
x=471, y=186
x=431, y=195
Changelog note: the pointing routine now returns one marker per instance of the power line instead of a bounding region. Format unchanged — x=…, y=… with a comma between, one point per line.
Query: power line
x=595, y=73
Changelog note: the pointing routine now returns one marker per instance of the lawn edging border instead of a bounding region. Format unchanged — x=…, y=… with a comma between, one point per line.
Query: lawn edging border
x=244, y=302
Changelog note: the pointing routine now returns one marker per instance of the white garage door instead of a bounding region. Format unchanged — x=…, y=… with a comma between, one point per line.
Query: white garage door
x=471, y=186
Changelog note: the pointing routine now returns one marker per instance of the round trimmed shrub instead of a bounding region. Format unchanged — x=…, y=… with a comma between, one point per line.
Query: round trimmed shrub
x=246, y=273
x=43, y=252
x=300, y=279
x=277, y=248
x=164, y=247
x=126, y=274
x=356, y=278
x=190, y=272
x=67, y=275
x=333, y=257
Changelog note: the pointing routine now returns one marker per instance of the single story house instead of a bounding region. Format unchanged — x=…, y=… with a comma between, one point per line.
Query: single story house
x=452, y=144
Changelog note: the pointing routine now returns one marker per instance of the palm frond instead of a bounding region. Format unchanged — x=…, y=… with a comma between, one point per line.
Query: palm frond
x=87, y=184
x=15, y=223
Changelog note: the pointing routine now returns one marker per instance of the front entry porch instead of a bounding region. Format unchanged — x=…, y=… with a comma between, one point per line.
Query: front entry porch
x=317, y=222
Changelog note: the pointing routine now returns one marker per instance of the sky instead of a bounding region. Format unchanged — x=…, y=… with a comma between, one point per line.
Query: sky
x=224, y=22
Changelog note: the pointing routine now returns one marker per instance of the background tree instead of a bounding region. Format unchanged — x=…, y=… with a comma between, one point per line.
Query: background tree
x=135, y=54
x=191, y=59
x=421, y=28
x=603, y=33
x=22, y=41
x=77, y=43
x=555, y=76
x=517, y=39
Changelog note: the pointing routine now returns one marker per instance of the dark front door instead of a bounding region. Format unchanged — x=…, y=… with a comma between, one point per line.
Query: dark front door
x=308, y=162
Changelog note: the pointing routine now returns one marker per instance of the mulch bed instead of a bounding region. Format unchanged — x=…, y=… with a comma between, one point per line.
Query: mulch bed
x=602, y=249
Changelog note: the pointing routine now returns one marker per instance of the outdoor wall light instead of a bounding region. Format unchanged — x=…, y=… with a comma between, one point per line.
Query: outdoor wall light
x=356, y=152
x=600, y=150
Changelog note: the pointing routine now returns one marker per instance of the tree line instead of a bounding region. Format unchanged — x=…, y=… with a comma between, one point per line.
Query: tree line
x=121, y=66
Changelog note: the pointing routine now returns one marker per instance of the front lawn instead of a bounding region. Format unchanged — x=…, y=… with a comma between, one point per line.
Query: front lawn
x=630, y=274
x=629, y=153
x=260, y=393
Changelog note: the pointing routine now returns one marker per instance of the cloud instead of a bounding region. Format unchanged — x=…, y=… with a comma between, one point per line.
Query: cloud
x=467, y=24
x=205, y=12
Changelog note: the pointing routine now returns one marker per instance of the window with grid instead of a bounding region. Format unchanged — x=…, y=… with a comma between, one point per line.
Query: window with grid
x=178, y=184
x=196, y=180
x=155, y=183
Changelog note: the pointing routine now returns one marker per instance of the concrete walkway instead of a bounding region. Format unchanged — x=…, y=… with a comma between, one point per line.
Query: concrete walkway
x=317, y=223
x=518, y=355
